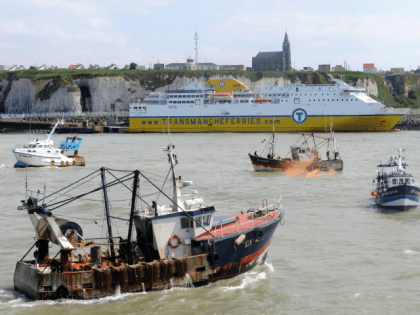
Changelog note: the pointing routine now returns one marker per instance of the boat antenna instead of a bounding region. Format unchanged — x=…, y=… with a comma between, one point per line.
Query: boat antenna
x=169, y=131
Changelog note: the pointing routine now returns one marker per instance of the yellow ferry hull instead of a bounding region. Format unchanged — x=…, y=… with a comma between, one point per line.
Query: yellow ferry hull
x=263, y=124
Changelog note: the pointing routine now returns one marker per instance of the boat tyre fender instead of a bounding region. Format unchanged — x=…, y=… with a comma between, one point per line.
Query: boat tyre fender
x=171, y=243
x=62, y=292
x=258, y=233
x=214, y=257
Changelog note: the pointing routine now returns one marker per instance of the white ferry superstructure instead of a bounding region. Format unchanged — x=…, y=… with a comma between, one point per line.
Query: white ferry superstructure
x=228, y=105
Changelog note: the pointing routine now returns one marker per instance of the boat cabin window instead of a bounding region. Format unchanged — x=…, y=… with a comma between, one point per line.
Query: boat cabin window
x=394, y=181
x=206, y=220
x=198, y=222
x=186, y=223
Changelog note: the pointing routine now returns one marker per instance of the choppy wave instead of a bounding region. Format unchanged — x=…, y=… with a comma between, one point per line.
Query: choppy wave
x=10, y=299
x=410, y=252
x=4, y=166
x=249, y=279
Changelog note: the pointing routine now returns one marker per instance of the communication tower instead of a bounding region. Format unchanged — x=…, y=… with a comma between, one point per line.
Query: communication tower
x=196, y=47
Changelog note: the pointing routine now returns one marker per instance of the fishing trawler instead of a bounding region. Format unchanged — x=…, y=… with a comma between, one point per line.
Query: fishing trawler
x=165, y=246
x=229, y=105
x=395, y=187
x=302, y=155
x=40, y=153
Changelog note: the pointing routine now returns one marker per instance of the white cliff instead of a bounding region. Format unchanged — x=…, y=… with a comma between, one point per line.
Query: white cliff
x=109, y=93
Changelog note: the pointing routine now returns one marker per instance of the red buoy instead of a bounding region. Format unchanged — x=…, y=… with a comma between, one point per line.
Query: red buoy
x=372, y=193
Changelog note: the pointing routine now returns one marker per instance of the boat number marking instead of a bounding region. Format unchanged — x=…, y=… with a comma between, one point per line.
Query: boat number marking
x=299, y=115
x=222, y=83
x=248, y=243
x=388, y=193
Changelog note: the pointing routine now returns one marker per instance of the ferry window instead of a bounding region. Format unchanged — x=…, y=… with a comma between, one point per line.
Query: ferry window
x=297, y=89
x=352, y=100
x=184, y=96
x=328, y=100
x=183, y=102
x=347, y=100
x=394, y=181
x=198, y=222
x=407, y=181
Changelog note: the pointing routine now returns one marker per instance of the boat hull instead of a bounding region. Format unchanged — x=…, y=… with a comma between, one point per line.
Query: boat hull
x=261, y=164
x=33, y=160
x=316, y=123
x=158, y=275
x=400, y=197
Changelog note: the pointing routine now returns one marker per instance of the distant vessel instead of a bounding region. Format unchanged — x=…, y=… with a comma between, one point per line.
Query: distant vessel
x=397, y=189
x=229, y=105
x=302, y=155
x=40, y=153
x=183, y=241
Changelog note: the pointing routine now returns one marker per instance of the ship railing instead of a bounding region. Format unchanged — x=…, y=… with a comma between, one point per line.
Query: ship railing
x=266, y=213
x=21, y=146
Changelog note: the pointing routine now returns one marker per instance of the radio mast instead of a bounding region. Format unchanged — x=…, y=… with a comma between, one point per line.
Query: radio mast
x=196, y=48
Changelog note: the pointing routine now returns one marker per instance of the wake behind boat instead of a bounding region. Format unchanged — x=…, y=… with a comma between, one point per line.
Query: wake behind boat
x=40, y=153
x=395, y=187
x=302, y=156
x=184, y=240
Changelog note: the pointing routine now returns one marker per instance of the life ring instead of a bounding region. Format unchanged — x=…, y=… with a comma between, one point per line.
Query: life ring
x=50, y=146
x=178, y=241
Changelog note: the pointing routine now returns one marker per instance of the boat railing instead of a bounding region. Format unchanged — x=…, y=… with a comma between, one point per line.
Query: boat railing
x=266, y=213
x=21, y=146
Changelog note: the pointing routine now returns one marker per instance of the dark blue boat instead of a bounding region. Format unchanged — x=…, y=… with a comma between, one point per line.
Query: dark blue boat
x=395, y=187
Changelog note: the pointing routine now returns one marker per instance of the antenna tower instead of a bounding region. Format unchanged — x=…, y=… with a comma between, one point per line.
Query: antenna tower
x=196, y=47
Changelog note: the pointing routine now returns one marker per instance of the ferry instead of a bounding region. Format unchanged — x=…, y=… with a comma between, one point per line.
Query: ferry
x=228, y=105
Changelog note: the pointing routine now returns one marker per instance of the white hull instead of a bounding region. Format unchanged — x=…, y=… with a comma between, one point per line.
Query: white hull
x=34, y=160
x=400, y=203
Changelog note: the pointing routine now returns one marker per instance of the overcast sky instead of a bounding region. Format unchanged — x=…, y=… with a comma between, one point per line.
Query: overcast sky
x=64, y=32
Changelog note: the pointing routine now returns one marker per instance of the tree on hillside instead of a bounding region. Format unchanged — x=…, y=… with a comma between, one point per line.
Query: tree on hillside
x=412, y=95
x=32, y=68
x=133, y=66
x=259, y=75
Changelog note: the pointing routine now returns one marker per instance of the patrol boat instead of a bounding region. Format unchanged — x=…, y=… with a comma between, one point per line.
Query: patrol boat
x=184, y=241
x=43, y=153
x=302, y=156
x=229, y=105
x=395, y=187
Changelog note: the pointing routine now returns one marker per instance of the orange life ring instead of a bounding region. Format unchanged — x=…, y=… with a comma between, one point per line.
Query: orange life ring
x=178, y=241
x=50, y=146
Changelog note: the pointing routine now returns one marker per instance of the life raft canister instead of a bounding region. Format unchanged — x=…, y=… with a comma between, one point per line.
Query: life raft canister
x=178, y=241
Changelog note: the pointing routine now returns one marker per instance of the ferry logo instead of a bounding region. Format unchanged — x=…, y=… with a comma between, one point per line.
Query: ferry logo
x=222, y=83
x=299, y=115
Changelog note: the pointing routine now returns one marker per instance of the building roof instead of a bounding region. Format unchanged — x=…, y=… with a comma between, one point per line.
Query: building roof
x=184, y=64
x=269, y=54
x=368, y=65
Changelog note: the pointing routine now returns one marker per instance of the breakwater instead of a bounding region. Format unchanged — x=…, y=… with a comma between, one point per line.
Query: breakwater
x=411, y=121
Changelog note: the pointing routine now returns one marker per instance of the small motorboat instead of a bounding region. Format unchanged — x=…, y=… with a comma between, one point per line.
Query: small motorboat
x=395, y=187
x=302, y=155
x=168, y=245
x=40, y=153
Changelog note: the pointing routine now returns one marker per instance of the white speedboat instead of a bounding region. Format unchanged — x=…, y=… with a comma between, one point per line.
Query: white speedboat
x=40, y=153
